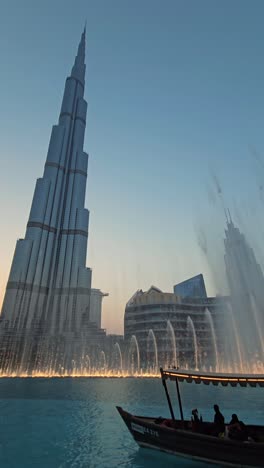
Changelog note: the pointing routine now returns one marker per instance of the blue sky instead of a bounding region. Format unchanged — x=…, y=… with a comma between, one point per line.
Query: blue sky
x=175, y=96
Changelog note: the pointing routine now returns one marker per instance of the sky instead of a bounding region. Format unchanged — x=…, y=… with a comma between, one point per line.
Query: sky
x=174, y=132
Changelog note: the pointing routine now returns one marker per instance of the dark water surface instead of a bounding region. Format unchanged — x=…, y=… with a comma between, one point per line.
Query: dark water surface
x=59, y=423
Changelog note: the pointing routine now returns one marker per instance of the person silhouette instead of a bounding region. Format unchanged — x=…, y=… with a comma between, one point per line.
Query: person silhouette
x=219, y=421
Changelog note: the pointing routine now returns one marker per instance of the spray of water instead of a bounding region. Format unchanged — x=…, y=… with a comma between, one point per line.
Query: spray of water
x=208, y=317
x=191, y=329
x=152, y=351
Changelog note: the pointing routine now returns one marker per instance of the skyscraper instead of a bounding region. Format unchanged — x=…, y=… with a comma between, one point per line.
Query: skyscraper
x=49, y=285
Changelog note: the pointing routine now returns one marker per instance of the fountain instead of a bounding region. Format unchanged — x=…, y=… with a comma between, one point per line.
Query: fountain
x=102, y=362
x=117, y=359
x=191, y=329
x=171, y=345
x=208, y=317
x=237, y=340
x=87, y=365
x=257, y=321
x=134, y=367
x=152, y=353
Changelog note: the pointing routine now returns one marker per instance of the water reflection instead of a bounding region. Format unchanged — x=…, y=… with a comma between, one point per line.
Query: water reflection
x=65, y=423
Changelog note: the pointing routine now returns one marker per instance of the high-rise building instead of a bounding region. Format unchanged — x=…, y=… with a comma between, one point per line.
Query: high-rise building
x=45, y=324
x=246, y=283
x=49, y=284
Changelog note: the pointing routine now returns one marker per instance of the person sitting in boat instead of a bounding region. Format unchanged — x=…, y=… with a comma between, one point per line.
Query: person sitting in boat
x=236, y=429
x=195, y=416
x=168, y=423
x=196, y=421
x=219, y=421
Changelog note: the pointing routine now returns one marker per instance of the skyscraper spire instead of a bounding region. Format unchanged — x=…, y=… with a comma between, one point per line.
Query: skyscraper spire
x=78, y=69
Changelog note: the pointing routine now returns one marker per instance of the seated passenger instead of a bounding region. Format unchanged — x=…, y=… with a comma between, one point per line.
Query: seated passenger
x=168, y=423
x=196, y=421
x=236, y=429
x=234, y=420
x=195, y=415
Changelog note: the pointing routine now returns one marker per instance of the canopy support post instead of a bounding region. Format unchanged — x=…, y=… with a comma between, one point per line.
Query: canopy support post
x=167, y=395
x=179, y=398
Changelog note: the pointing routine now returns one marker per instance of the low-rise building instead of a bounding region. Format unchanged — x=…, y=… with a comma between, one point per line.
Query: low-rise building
x=173, y=330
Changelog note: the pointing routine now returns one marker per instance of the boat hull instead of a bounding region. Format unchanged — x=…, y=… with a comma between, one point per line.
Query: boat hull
x=193, y=445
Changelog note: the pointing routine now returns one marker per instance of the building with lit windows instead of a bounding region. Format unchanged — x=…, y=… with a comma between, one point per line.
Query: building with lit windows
x=187, y=330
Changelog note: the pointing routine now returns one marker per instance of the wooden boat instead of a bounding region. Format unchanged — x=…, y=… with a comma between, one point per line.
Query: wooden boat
x=197, y=440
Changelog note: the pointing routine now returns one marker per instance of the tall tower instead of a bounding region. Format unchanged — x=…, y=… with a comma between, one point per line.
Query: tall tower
x=49, y=284
x=246, y=283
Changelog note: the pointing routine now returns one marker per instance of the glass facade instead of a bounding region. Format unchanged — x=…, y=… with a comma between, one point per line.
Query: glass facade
x=193, y=287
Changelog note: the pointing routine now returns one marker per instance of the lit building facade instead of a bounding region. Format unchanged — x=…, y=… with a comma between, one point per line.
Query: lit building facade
x=196, y=325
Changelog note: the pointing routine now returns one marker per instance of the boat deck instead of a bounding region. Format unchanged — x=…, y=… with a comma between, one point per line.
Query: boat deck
x=255, y=432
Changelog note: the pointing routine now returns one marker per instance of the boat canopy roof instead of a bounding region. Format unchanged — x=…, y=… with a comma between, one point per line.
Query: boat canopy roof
x=252, y=380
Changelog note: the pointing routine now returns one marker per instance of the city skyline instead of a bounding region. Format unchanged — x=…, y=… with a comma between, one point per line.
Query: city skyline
x=144, y=222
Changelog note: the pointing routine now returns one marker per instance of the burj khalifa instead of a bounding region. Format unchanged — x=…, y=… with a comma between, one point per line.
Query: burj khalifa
x=49, y=284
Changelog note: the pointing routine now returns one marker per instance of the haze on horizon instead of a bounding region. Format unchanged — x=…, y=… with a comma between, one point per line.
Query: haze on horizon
x=174, y=130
